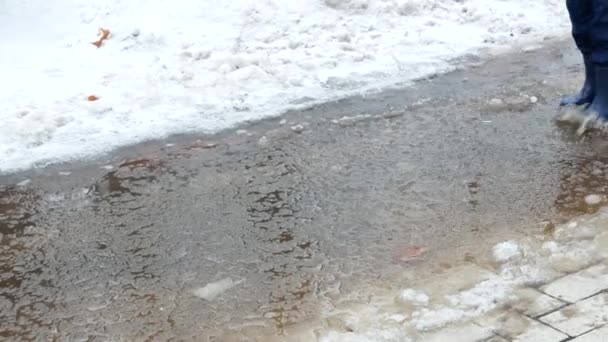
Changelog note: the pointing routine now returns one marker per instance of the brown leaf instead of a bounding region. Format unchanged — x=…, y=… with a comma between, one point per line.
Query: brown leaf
x=409, y=254
x=104, y=34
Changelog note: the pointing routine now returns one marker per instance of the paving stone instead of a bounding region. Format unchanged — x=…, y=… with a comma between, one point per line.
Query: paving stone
x=463, y=333
x=598, y=335
x=577, y=286
x=496, y=339
x=519, y=328
x=534, y=303
x=579, y=318
x=540, y=332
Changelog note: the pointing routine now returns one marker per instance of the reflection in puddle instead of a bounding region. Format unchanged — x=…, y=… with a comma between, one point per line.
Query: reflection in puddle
x=580, y=178
x=128, y=176
x=24, y=282
x=275, y=214
x=16, y=210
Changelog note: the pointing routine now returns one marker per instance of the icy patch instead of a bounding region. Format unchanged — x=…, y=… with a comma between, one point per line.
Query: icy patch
x=414, y=297
x=506, y=251
x=212, y=290
x=204, y=66
x=593, y=199
x=24, y=182
x=397, y=318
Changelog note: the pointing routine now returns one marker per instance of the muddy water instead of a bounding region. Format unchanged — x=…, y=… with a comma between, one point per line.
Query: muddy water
x=271, y=223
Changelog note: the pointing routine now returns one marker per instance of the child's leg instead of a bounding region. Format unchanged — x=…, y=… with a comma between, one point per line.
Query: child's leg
x=581, y=15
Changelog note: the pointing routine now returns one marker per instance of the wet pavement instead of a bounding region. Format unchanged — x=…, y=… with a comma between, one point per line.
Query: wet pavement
x=284, y=215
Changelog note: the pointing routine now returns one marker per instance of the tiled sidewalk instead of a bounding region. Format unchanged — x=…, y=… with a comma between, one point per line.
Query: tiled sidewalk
x=572, y=308
x=540, y=288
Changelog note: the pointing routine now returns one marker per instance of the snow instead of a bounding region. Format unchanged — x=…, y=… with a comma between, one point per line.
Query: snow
x=203, y=66
x=506, y=251
x=593, y=199
x=417, y=298
x=24, y=182
x=212, y=290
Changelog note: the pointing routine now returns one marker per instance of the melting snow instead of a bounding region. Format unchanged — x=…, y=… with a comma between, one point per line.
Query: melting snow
x=207, y=65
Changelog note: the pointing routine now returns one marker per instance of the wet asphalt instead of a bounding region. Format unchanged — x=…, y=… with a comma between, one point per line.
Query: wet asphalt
x=295, y=209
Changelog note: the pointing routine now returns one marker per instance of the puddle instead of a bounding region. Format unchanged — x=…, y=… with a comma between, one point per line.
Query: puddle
x=338, y=216
x=28, y=294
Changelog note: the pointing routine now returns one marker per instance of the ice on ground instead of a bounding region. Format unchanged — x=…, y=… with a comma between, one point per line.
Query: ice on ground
x=207, y=65
x=415, y=297
x=506, y=251
x=213, y=290
x=593, y=199
x=24, y=182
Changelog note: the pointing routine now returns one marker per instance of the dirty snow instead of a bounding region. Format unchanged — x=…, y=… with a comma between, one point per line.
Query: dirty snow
x=202, y=66
x=466, y=292
x=414, y=297
x=506, y=251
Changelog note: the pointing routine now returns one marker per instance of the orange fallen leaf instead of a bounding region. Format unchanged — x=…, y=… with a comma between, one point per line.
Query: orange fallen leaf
x=104, y=35
x=92, y=98
x=410, y=253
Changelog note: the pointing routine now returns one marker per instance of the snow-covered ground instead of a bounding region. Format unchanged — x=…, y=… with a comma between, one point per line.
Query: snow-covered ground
x=190, y=65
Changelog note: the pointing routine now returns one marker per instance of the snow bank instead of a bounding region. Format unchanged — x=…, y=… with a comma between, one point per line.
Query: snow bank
x=187, y=65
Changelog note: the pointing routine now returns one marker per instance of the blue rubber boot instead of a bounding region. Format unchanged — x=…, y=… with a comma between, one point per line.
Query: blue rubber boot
x=600, y=102
x=582, y=16
x=586, y=94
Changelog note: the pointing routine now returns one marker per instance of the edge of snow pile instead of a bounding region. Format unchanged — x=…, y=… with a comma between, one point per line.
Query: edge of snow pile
x=204, y=66
x=469, y=292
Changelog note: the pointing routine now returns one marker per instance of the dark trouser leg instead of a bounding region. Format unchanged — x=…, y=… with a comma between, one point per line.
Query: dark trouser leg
x=599, y=56
x=582, y=15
